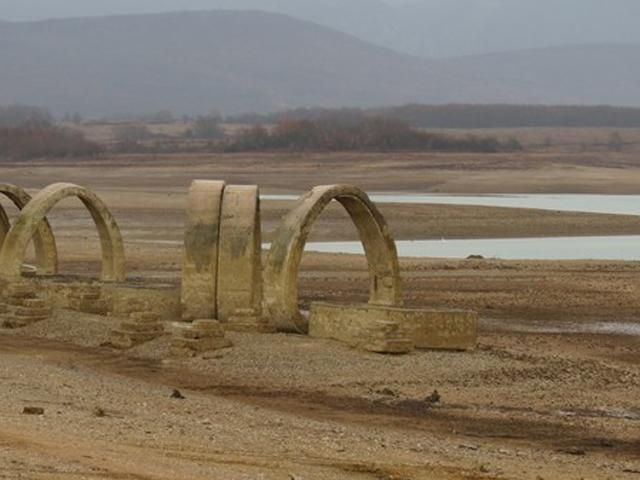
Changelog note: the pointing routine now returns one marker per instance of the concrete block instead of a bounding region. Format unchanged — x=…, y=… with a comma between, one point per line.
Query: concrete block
x=425, y=328
x=353, y=327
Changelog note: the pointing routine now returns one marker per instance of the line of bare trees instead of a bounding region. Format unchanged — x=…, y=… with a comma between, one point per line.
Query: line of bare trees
x=28, y=132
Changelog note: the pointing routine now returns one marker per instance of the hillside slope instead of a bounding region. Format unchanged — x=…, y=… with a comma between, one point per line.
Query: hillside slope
x=192, y=62
x=255, y=61
x=427, y=28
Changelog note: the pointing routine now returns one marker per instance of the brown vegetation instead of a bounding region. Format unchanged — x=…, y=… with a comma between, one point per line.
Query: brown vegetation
x=359, y=133
x=471, y=116
x=44, y=141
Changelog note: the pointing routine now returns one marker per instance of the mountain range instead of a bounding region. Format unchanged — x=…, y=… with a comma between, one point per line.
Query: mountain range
x=254, y=61
x=427, y=28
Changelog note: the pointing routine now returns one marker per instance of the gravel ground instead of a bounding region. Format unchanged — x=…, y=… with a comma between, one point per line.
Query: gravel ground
x=286, y=406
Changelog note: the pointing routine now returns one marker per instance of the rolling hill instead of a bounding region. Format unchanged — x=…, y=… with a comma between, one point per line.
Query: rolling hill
x=256, y=61
x=427, y=28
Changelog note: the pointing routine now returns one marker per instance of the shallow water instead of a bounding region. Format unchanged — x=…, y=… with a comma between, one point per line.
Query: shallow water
x=619, y=204
x=548, y=248
x=596, y=328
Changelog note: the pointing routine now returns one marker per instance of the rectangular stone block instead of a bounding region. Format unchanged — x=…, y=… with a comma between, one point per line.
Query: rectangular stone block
x=425, y=328
x=31, y=312
x=197, y=329
x=142, y=327
x=20, y=290
x=440, y=329
x=209, y=327
x=34, y=303
x=88, y=296
x=202, y=344
x=10, y=321
x=127, y=339
x=17, y=302
x=145, y=317
x=249, y=325
x=95, y=307
x=354, y=327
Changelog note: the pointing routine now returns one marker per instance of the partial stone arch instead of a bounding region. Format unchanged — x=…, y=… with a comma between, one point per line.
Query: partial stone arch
x=283, y=262
x=34, y=212
x=239, y=254
x=43, y=241
x=5, y=225
x=200, y=265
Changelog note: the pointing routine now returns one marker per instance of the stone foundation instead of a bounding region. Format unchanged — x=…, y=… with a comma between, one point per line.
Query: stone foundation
x=87, y=299
x=369, y=326
x=118, y=300
x=21, y=306
x=248, y=321
x=198, y=337
x=141, y=327
x=352, y=325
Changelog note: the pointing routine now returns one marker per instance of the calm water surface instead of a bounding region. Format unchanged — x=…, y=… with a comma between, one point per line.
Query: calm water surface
x=621, y=204
x=548, y=248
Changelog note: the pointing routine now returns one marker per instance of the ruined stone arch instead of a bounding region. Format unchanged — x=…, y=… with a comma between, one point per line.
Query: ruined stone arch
x=5, y=225
x=43, y=240
x=34, y=212
x=201, y=237
x=239, y=254
x=283, y=262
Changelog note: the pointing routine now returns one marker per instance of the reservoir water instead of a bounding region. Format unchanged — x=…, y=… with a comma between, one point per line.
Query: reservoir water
x=548, y=248
x=619, y=204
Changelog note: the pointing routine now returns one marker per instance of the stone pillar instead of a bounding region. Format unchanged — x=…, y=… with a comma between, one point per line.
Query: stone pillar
x=200, y=264
x=239, y=304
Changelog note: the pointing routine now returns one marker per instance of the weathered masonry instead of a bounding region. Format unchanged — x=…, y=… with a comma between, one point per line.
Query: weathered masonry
x=223, y=286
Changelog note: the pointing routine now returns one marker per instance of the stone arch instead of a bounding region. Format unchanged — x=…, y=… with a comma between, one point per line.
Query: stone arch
x=34, y=212
x=283, y=262
x=43, y=240
x=5, y=225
